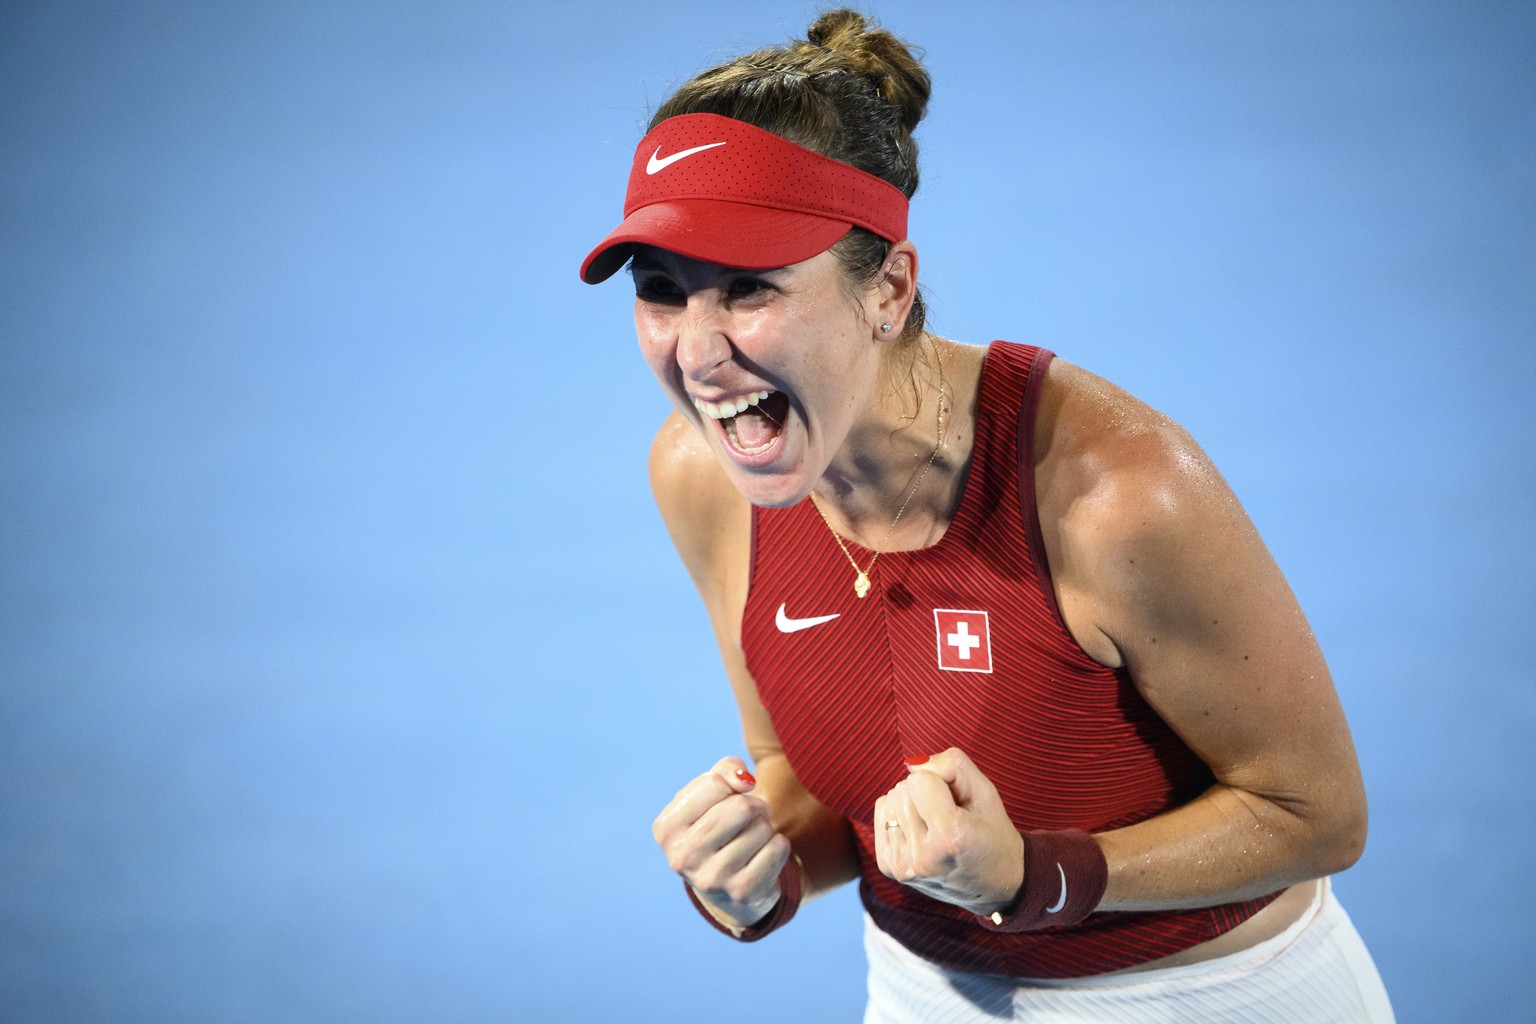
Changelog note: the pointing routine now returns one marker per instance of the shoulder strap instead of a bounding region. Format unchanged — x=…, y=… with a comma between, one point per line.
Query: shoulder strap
x=1029, y=410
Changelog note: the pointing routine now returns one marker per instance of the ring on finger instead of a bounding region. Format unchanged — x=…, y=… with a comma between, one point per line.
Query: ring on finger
x=893, y=823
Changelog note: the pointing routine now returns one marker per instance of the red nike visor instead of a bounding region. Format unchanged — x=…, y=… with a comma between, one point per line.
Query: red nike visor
x=727, y=192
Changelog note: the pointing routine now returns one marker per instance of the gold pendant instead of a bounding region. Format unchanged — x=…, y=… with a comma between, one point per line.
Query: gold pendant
x=861, y=585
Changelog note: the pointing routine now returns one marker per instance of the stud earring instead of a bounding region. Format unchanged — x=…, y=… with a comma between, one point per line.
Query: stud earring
x=885, y=328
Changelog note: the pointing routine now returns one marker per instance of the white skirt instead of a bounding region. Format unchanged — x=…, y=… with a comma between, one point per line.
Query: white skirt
x=1317, y=971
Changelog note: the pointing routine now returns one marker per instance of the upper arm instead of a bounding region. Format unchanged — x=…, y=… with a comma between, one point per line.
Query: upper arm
x=1184, y=593
x=711, y=524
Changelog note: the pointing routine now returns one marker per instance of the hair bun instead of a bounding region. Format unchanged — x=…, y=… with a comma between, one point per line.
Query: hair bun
x=877, y=55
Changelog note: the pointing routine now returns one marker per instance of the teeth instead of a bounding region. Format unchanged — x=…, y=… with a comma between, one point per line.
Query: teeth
x=725, y=410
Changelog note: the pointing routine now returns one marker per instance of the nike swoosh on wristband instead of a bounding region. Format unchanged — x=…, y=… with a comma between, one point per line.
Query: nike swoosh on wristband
x=653, y=164
x=1062, y=900
x=789, y=625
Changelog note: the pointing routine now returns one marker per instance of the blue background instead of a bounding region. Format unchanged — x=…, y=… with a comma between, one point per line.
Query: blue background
x=343, y=658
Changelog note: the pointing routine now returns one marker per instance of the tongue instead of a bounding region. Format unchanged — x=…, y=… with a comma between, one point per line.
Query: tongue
x=752, y=429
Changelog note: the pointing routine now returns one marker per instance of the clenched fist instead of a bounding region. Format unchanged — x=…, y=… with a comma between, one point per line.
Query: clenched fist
x=720, y=838
x=943, y=831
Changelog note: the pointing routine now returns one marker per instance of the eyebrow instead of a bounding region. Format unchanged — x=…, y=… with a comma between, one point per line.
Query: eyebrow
x=646, y=262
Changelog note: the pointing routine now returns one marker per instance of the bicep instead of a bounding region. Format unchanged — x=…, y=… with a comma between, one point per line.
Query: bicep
x=1213, y=637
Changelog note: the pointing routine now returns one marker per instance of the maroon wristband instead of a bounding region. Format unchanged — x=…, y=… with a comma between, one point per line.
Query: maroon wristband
x=790, y=890
x=1065, y=875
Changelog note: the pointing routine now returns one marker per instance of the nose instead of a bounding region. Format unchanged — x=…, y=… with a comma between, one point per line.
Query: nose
x=703, y=341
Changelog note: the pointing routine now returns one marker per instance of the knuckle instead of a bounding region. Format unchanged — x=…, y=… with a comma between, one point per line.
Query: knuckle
x=678, y=856
x=742, y=889
x=706, y=879
x=941, y=855
x=734, y=813
x=663, y=828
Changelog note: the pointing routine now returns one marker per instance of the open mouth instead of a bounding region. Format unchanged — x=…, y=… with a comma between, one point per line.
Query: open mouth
x=752, y=423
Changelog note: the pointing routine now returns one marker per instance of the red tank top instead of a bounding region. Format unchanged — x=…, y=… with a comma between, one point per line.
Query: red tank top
x=961, y=644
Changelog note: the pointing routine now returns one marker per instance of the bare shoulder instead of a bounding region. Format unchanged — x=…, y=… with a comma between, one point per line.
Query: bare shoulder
x=1111, y=457
x=1131, y=507
x=708, y=519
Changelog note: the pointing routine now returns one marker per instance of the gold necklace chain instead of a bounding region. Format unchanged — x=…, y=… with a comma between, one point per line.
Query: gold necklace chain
x=861, y=582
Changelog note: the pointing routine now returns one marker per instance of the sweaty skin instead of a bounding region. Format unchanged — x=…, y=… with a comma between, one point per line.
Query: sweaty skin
x=1155, y=565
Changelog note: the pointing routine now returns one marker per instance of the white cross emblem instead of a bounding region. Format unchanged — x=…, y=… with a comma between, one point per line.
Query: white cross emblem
x=964, y=640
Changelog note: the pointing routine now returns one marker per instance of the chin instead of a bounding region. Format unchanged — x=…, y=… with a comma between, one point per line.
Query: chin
x=778, y=502
x=768, y=490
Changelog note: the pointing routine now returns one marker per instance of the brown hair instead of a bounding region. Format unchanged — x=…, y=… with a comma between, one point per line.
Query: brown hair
x=849, y=91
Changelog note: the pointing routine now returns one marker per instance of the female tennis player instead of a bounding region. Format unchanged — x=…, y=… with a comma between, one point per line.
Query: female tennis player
x=1006, y=648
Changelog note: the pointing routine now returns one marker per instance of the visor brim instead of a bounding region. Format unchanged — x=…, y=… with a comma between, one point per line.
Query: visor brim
x=730, y=234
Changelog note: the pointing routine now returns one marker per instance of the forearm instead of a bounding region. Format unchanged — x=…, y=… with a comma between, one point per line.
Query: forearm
x=821, y=838
x=1227, y=845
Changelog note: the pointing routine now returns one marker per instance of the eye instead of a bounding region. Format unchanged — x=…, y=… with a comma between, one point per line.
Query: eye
x=746, y=287
x=652, y=287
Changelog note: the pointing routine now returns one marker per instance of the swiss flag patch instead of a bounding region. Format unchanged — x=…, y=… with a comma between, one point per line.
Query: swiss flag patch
x=965, y=641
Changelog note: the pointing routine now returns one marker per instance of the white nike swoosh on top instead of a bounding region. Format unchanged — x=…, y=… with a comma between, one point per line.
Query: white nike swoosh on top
x=789, y=625
x=653, y=164
x=1062, y=900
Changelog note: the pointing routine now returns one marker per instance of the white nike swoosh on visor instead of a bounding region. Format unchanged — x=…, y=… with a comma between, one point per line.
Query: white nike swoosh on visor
x=1062, y=901
x=653, y=164
x=789, y=625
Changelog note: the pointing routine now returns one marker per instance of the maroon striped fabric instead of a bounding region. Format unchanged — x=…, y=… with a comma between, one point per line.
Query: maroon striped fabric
x=961, y=644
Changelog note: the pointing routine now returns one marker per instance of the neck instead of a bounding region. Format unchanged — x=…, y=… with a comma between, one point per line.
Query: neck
x=893, y=485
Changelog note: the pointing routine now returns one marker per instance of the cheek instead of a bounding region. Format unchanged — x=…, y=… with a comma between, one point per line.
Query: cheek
x=655, y=349
x=660, y=354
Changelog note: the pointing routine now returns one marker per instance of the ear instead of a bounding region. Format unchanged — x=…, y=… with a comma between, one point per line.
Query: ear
x=891, y=298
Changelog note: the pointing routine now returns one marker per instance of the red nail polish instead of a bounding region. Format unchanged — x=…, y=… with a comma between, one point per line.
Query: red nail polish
x=746, y=776
x=917, y=759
